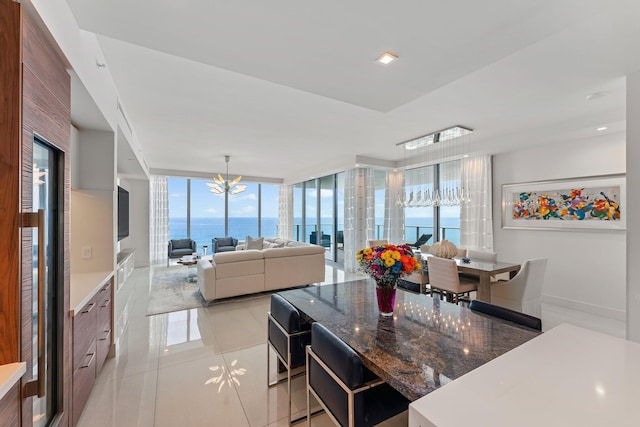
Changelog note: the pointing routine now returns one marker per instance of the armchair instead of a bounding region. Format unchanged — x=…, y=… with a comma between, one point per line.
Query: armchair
x=522, y=293
x=224, y=244
x=178, y=248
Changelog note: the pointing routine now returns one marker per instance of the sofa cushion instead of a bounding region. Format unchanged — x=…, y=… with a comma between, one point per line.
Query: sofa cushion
x=251, y=243
x=236, y=256
x=181, y=244
x=293, y=251
x=224, y=241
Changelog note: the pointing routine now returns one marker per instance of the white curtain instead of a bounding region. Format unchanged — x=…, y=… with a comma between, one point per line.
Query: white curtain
x=159, y=219
x=476, y=219
x=359, y=213
x=393, y=213
x=285, y=211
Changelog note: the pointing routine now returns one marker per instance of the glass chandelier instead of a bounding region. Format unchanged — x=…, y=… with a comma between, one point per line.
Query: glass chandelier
x=451, y=191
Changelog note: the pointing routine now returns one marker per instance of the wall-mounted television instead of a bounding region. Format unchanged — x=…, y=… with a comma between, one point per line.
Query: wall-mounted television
x=123, y=213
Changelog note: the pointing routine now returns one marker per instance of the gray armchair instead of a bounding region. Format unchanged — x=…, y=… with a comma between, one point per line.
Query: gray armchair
x=180, y=247
x=224, y=244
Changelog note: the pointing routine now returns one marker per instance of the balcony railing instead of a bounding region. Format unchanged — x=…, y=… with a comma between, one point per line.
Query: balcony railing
x=412, y=232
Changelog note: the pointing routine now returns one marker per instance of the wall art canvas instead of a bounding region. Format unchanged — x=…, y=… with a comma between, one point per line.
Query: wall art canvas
x=580, y=203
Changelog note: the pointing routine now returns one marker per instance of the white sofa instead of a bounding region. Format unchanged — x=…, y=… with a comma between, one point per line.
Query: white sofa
x=250, y=271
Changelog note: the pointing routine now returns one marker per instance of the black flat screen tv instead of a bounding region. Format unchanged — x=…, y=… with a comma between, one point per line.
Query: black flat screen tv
x=123, y=213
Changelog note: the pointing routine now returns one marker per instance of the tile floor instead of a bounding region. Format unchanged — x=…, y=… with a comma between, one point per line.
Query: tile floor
x=207, y=367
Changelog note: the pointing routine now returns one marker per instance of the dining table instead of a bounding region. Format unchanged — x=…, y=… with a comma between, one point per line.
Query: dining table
x=483, y=270
x=426, y=344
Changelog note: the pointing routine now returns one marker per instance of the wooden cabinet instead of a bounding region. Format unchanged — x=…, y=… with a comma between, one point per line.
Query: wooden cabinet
x=92, y=339
x=103, y=324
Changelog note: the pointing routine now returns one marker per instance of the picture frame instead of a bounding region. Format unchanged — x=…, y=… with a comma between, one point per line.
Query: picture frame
x=586, y=203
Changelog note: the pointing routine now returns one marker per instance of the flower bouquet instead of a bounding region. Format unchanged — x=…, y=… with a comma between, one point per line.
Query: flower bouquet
x=386, y=264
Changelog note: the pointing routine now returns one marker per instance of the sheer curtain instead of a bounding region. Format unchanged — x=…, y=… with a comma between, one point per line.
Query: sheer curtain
x=159, y=219
x=394, y=214
x=359, y=213
x=476, y=219
x=285, y=211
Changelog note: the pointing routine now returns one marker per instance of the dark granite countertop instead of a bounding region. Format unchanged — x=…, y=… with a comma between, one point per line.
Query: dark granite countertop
x=427, y=342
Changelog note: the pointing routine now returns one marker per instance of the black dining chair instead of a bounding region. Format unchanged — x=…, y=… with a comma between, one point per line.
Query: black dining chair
x=287, y=336
x=350, y=394
x=506, y=314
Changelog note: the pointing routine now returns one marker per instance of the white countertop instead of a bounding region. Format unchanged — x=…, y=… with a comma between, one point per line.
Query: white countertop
x=84, y=286
x=568, y=376
x=10, y=374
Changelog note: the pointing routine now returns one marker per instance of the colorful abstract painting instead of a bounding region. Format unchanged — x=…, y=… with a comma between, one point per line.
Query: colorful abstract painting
x=586, y=204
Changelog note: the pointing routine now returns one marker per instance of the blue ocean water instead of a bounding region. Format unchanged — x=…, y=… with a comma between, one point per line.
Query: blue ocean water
x=204, y=229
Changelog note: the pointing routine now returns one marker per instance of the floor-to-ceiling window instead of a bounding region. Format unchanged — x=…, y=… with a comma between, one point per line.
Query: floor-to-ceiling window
x=432, y=202
x=196, y=213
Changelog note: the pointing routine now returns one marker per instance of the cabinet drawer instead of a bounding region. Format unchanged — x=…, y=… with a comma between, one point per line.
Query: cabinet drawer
x=103, y=344
x=104, y=293
x=84, y=332
x=83, y=379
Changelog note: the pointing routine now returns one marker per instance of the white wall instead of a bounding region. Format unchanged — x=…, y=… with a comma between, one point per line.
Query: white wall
x=633, y=201
x=138, y=220
x=586, y=269
x=91, y=213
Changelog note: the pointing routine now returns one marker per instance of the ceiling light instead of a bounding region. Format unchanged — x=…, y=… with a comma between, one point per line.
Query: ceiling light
x=387, y=58
x=602, y=128
x=596, y=95
x=221, y=185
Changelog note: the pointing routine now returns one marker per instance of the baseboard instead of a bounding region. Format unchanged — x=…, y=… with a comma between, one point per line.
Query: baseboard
x=599, y=310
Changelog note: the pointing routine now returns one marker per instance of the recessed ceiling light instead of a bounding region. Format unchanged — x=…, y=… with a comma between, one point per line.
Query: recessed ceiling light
x=387, y=58
x=602, y=128
x=357, y=165
x=596, y=95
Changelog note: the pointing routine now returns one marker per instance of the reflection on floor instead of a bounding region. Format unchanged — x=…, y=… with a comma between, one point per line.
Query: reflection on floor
x=207, y=367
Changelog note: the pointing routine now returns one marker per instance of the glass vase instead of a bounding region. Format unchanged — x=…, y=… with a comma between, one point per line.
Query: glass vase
x=386, y=294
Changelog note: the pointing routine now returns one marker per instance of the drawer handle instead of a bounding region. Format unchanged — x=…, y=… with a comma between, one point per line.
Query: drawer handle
x=89, y=308
x=106, y=336
x=93, y=355
x=106, y=303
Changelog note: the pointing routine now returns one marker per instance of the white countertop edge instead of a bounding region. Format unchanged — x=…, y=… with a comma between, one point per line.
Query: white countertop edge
x=10, y=374
x=84, y=286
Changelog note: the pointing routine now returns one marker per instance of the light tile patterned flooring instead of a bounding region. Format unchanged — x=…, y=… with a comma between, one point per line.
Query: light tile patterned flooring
x=207, y=367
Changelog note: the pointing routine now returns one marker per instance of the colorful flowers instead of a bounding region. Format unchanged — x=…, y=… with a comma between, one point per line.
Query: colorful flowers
x=386, y=263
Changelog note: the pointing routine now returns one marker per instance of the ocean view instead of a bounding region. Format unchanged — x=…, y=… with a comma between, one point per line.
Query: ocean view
x=204, y=229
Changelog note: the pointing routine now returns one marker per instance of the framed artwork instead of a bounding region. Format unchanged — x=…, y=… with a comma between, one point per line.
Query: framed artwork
x=597, y=203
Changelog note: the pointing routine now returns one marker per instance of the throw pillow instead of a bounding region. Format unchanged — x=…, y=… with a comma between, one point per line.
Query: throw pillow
x=276, y=245
x=251, y=243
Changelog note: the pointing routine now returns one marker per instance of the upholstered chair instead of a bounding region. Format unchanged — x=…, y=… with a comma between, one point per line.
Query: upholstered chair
x=350, y=393
x=483, y=256
x=443, y=276
x=288, y=336
x=177, y=248
x=380, y=242
x=506, y=314
x=224, y=244
x=522, y=293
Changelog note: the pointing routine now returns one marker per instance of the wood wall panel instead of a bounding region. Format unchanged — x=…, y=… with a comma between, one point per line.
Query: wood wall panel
x=46, y=105
x=9, y=179
x=44, y=58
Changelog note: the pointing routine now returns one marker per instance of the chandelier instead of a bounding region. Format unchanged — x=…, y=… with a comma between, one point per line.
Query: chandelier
x=221, y=185
x=450, y=191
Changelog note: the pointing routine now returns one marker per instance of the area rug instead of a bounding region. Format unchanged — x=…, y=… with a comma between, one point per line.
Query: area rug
x=173, y=289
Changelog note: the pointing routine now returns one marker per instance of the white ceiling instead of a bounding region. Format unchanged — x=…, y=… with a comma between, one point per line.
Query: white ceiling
x=290, y=89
